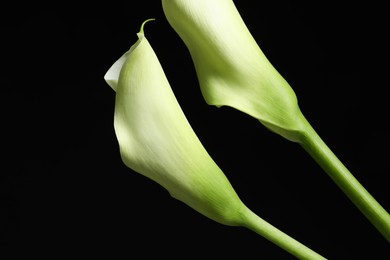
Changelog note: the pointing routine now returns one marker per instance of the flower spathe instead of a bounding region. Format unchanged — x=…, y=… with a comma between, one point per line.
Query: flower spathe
x=157, y=141
x=231, y=68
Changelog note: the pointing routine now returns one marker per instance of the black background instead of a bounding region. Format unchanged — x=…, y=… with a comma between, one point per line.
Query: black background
x=65, y=192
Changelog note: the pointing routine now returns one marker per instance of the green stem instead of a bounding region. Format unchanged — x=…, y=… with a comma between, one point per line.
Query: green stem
x=271, y=233
x=363, y=200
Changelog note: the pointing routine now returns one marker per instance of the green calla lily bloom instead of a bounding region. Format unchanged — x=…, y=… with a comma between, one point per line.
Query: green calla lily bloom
x=157, y=141
x=233, y=71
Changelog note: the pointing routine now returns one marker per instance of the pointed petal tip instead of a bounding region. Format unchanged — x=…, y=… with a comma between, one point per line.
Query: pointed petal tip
x=143, y=25
x=112, y=75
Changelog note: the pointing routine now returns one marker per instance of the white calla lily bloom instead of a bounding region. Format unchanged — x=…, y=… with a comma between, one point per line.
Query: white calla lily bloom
x=157, y=141
x=232, y=69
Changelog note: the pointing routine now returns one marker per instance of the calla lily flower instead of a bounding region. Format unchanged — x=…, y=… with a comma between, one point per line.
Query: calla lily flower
x=233, y=71
x=157, y=141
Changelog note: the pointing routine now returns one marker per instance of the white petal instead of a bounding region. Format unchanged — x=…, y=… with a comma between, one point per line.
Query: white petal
x=112, y=75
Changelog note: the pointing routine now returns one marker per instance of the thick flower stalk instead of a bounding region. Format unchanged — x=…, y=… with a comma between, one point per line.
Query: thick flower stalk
x=157, y=141
x=233, y=71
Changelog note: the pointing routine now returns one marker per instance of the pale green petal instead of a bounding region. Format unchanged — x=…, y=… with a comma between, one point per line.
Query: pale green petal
x=232, y=69
x=157, y=141
x=112, y=75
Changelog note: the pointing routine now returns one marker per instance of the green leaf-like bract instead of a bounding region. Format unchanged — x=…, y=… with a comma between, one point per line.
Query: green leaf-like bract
x=231, y=68
x=156, y=139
